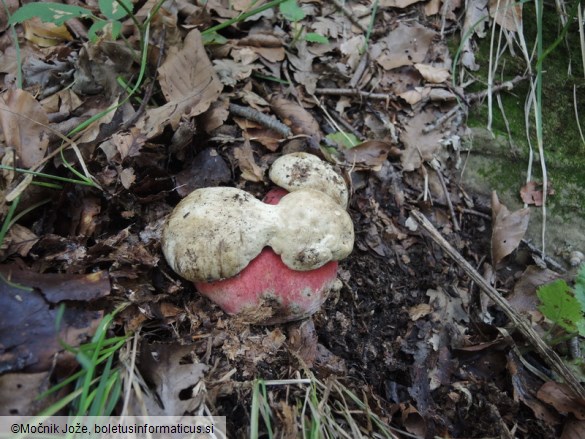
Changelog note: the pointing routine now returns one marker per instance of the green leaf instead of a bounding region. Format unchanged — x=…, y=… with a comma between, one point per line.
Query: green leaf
x=291, y=10
x=347, y=140
x=560, y=305
x=49, y=13
x=580, y=287
x=313, y=37
x=96, y=27
x=213, y=38
x=113, y=10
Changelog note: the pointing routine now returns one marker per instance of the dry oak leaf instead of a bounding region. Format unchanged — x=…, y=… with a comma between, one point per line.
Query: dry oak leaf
x=508, y=229
x=189, y=84
x=24, y=123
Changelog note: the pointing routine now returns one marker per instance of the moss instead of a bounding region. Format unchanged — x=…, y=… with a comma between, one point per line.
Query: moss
x=505, y=171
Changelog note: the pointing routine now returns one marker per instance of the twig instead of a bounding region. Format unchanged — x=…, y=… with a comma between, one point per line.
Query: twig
x=505, y=86
x=547, y=259
x=261, y=118
x=350, y=14
x=437, y=170
x=359, y=71
x=441, y=120
x=352, y=92
x=346, y=124
x=549, y=356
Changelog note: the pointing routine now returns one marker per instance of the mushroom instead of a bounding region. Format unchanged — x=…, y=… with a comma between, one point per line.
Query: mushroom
x=300, y=170
x=271, y=261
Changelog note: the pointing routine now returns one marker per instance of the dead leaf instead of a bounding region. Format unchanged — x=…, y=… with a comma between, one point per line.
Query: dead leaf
x=7, y=9
x=302, y=341
x=207, y=169
x=476, y=19
x=419, y=146
x=25, y=125
x=19, y=240
x=573, y=429
x=397, y=3
x=127, y=177
x=174, y=375
x=45, y=34
x=531, y=193
x=215, y=116
x=507, y=13
x=189, y=83
x=433, y=74
x=231, y=72
x=370, y=154
x=403, y=46
x=19, y=393
x=267, y=46
x=523, y=298
x=418, y=311
x=562, y=399
x=247, y=164
x=508, y=229
x=525, y=386
x=29, y=303
x=297, y=118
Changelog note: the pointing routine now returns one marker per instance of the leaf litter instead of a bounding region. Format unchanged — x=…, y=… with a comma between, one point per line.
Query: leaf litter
x=403, y=332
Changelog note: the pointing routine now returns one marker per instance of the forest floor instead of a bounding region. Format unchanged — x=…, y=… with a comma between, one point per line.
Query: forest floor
x=409, y=346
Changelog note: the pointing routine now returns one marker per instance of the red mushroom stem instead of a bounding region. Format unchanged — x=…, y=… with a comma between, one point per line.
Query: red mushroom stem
x=268, y=282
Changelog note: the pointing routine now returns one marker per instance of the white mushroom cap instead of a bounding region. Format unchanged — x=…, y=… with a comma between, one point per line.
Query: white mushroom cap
x=300, y=170
x=214, y=233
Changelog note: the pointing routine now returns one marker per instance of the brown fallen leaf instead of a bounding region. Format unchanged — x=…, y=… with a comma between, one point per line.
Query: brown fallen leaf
x=419, y=146
x=19, y=393
x=507, y=13
x=189, y=83
x=298, y=119
x=29, y=302
x=247, y=164
x=573, y=429
x=562, y=399
x=267, y=46
x=531, y=193
x=25, y=125
x=173, y=374
x=523, y=298
x=370, y=154
x=508, y=229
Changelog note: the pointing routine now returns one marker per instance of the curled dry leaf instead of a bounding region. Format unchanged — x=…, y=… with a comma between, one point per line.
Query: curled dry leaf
x=531, y=193
x=245, y=157
x=297, y=118
x=508, y=229
x=267, y=46
x=25, y=126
